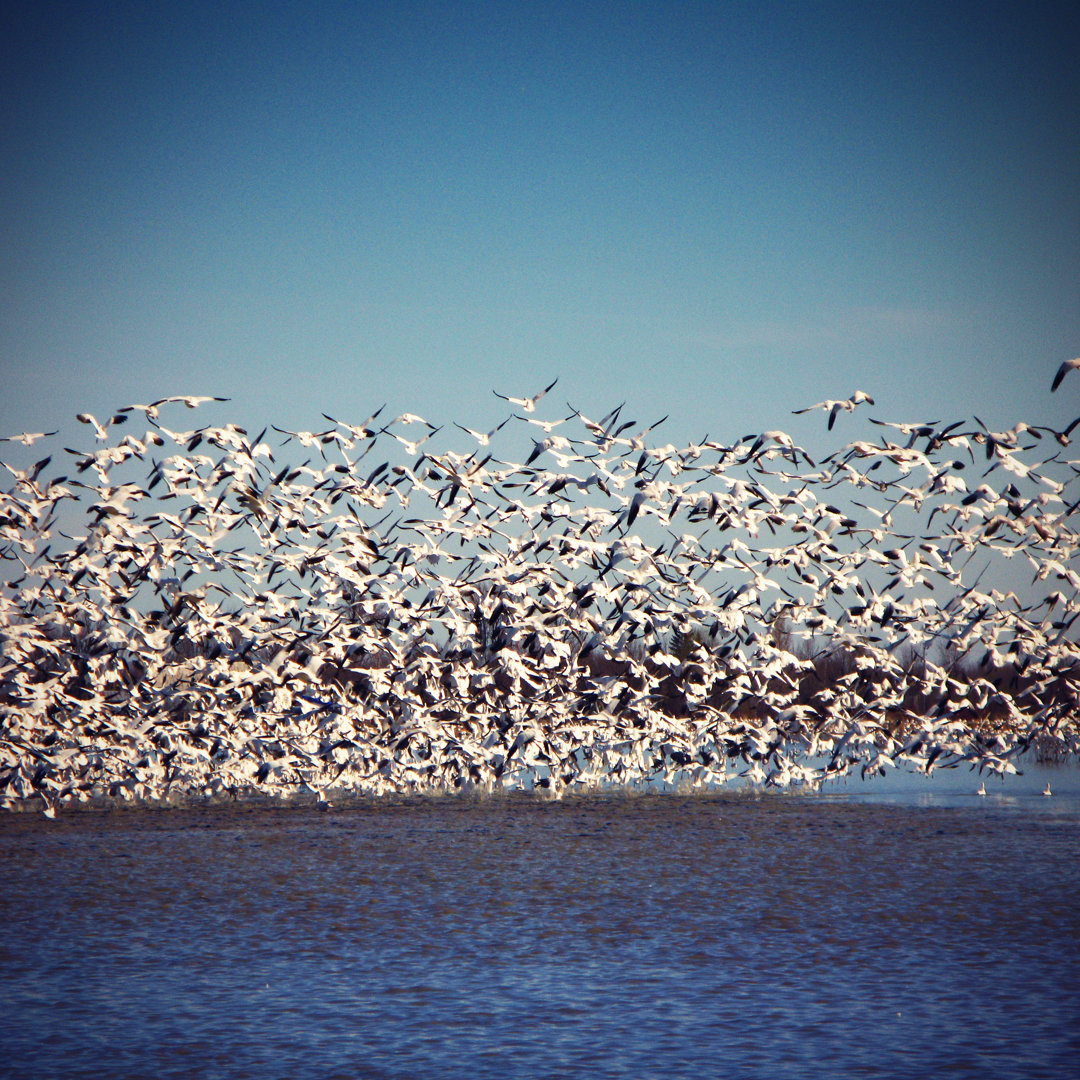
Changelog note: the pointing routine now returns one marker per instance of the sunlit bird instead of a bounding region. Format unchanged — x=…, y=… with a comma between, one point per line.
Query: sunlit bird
x=834, y=408
x=528, y=404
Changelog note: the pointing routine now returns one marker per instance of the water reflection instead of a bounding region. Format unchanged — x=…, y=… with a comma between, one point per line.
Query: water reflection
x=742, y=936
x=1023, y=790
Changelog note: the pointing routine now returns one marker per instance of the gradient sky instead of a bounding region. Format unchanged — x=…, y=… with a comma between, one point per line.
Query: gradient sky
x=724, y=211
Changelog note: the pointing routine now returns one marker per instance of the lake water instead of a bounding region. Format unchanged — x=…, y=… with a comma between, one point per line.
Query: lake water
x=886, y=930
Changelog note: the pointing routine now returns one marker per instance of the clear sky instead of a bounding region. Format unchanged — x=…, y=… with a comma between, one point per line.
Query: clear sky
x=724, y=211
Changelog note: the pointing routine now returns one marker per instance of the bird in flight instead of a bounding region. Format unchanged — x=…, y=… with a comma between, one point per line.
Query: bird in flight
x=152, y=410
x=528, y=404
x=1064, y=370
x=482, y=437
x=835, y=407
x=28, y=438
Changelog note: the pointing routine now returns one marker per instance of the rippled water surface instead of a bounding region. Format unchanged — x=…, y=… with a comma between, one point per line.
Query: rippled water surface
x=732, y=936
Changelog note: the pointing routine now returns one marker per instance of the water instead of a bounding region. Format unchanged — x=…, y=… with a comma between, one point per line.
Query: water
x=862, y=933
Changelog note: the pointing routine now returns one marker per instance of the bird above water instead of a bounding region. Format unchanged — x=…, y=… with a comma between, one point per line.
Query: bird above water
x=228, y=618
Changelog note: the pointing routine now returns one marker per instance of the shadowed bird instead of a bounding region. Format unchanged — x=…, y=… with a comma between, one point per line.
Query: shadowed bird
x=1064, y=370
x=1062, y=436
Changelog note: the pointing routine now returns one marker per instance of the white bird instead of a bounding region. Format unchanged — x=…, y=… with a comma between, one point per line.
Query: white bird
x=412, y=446
x=89, y=418
x=153, y=410
x=28, y=438
x=365, y=430
x=836, y=407
x=1046, y=790
x=528, y=404
x=411, y=418
x=548, y=425
x=481, y=437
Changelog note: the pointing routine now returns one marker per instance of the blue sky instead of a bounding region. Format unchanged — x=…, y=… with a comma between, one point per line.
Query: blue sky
x=720, y=211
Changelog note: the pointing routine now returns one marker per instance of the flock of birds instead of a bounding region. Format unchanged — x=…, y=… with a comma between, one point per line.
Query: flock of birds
x=202, y=614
